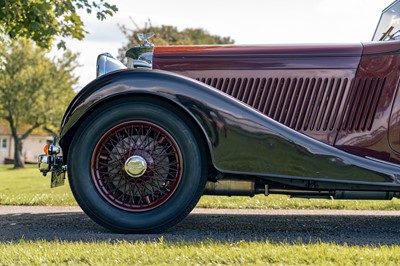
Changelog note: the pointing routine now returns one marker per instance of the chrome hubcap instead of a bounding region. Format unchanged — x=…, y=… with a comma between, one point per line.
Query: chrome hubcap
x=135, y=166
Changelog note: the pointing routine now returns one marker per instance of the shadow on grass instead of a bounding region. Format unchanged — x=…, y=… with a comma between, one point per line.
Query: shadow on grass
x=353, y=230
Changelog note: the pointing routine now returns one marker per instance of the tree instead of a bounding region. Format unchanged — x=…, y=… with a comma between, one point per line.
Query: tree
x=170, y=35
x=34, y=90
x=43, y=21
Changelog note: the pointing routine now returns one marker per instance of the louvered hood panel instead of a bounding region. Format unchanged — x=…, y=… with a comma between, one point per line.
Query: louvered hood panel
x=300, y=103
x=309, y=101
x=303, y=87
x=362, y=103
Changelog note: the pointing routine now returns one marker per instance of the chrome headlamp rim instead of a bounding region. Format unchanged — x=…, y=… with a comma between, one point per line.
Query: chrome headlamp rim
x=106, y=63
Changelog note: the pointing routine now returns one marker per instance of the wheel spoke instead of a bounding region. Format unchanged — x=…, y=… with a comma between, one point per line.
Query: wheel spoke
x=153, y=145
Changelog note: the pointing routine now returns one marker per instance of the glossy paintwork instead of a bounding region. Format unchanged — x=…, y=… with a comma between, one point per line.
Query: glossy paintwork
x=379, y=66
x=380, y=48
x=240, y=139
x=326, y=71
x=358, y=124
x=183, y=59
x=288, y=113
x=373, y=142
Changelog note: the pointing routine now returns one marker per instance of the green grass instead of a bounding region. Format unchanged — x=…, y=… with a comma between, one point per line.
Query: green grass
x=29, y=187
x=285, y=202
x=194, y=253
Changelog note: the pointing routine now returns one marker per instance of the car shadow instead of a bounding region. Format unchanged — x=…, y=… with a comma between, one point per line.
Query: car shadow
x=349, y=229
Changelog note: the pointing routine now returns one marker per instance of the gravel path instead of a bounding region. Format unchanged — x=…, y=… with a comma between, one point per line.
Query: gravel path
x=330, y=226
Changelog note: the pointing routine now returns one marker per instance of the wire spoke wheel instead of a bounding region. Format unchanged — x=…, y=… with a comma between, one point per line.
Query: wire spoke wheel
x=136, y=166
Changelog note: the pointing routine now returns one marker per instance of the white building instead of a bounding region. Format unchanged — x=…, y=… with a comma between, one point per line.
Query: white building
x=32, y=146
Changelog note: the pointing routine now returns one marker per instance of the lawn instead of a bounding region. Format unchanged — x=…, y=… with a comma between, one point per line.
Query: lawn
x=194, y=253
x=29, y=187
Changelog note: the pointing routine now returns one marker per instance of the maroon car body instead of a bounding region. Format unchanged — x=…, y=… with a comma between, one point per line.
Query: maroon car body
x=143, y=143
x=341, y=95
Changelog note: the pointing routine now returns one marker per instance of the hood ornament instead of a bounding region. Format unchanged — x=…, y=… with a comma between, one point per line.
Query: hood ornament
x=141, y=57
x=143, y=37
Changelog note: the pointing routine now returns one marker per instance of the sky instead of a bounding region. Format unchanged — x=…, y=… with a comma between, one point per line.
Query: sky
x=247, y=22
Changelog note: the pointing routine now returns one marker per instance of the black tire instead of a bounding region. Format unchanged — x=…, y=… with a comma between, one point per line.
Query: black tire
x=175, y=168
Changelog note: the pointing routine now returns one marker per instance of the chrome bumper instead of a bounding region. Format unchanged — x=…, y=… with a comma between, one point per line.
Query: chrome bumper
x=53, y=163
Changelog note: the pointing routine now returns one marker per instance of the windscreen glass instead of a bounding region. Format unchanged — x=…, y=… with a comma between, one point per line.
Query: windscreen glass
x=389, y=25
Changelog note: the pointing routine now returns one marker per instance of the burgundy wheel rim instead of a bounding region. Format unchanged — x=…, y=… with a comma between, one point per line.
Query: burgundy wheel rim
x=138, y=139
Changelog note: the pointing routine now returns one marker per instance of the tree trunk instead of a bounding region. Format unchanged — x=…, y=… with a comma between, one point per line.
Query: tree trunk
x=18, y=161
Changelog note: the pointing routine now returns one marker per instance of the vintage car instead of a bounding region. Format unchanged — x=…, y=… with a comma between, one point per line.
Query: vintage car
x=143, y=143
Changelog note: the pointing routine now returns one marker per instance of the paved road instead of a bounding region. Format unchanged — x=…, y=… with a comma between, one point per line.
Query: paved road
x=71, y=224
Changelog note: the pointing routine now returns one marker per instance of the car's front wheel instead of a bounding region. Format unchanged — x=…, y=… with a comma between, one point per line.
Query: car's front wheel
x=136, y=167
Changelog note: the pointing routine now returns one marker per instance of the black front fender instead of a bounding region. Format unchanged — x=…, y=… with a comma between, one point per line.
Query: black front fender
x=187, y=94
x=240, y=139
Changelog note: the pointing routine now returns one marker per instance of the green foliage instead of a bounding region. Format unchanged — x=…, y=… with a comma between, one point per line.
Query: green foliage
x=30, y=79
x=43, y=21
x=160, y=252
x=34, y=90
x=170, y=35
